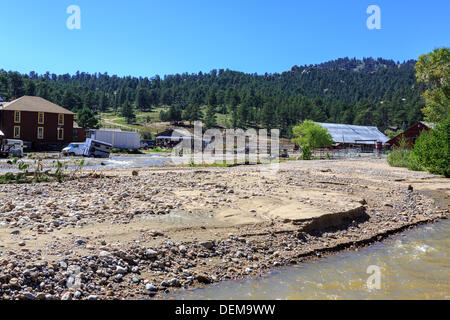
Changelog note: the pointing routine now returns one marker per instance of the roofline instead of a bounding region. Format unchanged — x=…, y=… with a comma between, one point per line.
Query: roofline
x=5, y=105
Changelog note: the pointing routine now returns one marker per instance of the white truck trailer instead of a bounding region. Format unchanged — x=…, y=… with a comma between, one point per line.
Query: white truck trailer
x=117, y=138
x=97, y=149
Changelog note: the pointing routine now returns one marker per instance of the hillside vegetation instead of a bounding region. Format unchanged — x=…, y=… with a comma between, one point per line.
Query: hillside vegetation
x=378, y=92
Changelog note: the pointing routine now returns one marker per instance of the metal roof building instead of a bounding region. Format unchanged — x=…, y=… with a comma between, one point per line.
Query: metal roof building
x=346, y=133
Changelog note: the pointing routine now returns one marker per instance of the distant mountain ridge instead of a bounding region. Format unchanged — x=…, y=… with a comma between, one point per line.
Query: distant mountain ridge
x=364, y=65
x=368, y=91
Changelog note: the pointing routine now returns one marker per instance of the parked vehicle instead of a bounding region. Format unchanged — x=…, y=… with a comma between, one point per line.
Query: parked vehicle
x=10, y=147
x=97, y=149
x=118, y=139
x=74, y=149
x=151, y=143
x=144, y=145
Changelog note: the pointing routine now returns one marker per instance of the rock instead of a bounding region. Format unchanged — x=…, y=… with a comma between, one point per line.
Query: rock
x=301, y=236
x=92, y=297
x=207, y=244
x=135, y=173
x=70, y=282
x=165, y=284
x=410, y=188
x=80, y=242
x=22, y=243
x=40, y=296
x=29, y=296
x=121, y=270
x=135, y=269
x=15, y=233
x=203, y=279
x=67, y=296
x=105, y=254
x=175, y=282
x=150, y=253
x=135, y=280
x=182, y=249
x=150, y=287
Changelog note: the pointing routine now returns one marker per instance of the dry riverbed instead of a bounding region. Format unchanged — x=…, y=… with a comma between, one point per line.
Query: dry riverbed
x=120, y=235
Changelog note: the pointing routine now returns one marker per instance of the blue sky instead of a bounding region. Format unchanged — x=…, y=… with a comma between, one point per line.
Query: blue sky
x=146, y=37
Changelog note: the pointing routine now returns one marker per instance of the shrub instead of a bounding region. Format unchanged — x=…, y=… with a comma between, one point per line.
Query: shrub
x=306, y=153
x=431, y=150
x=311, y=134
x=398, y=158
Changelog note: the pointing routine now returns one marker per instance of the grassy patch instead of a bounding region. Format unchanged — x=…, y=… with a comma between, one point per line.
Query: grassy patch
x=398, y=158
x=160, y=150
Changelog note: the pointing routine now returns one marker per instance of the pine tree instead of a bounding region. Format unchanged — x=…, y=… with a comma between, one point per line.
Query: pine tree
x=210, y=117
x=128, y=113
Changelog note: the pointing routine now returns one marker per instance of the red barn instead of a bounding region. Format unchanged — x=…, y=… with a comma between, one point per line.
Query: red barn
x=38, y=122
x=410, y=134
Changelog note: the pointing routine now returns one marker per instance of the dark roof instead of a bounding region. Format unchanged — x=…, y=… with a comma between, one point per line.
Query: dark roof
x=34, y=104
x=413, y=131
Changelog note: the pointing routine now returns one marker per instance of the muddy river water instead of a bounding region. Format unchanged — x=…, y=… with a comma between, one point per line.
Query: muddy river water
x=412, y=265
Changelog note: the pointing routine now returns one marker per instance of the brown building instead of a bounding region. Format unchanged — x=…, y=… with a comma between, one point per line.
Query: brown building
x=79, y=133
x=41, y=124
x=410, y=135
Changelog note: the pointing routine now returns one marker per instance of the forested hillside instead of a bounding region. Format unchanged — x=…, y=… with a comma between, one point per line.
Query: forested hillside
x=367, y=92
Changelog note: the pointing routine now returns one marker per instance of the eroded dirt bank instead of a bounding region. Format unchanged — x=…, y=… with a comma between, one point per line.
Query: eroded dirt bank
x=132, y=237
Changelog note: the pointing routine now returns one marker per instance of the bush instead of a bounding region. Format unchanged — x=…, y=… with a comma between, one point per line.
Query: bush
x=431, y=150
x=414, y=163
x=398, y=158
x=306, y=153
x=311, y=134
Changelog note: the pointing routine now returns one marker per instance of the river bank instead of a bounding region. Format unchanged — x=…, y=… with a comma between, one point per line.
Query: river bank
x=413, y=264
x=132, y=236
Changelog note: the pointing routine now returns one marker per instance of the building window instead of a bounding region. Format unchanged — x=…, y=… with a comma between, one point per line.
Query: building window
x=40, y=133
x=41, y=118
x=17, y=117
x=16, y=132
x=60, y=119
x=60, y=134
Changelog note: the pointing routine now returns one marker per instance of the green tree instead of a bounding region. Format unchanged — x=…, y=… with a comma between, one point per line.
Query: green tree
x=312, y=135
x=210, y=117
x=87, y=119
x=175, y=113
x=30, y=88
x=142, y=100
x=192, y=113
x=128, y=113
x=434, y=69
x=431, y=149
